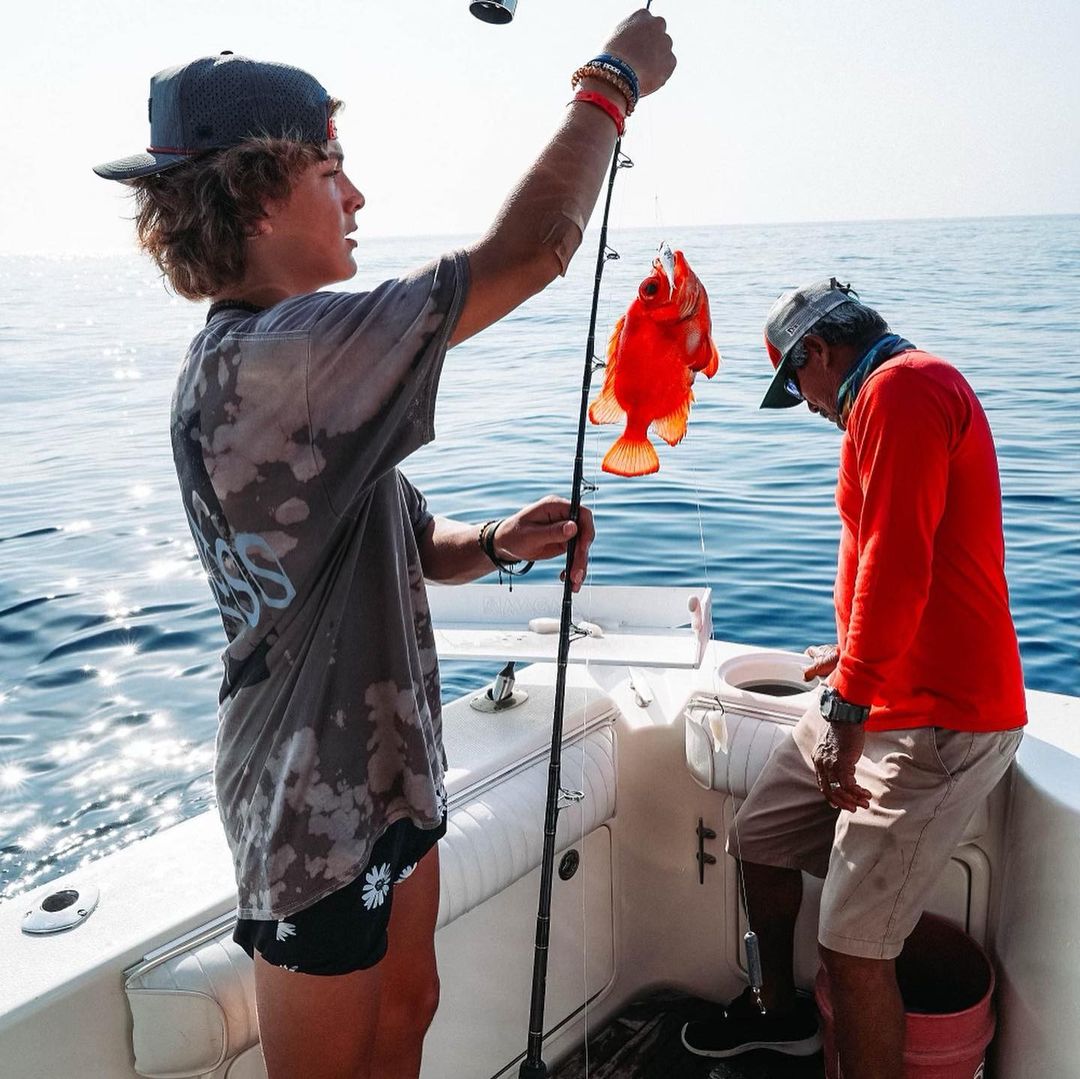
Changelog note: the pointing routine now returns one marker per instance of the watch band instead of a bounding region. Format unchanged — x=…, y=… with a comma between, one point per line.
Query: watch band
x=836, y=710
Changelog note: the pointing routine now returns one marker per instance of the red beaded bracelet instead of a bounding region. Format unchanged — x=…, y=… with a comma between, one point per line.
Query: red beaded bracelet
x=609, y=106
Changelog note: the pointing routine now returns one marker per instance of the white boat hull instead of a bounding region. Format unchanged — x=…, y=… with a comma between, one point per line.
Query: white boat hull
x=633, y=917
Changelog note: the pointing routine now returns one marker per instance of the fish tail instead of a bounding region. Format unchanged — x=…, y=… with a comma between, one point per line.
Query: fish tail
x=631, y=456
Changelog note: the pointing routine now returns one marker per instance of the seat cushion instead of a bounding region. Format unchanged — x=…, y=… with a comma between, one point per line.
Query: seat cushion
x=726, y=749
x=193, y=1003
x=193, y=1009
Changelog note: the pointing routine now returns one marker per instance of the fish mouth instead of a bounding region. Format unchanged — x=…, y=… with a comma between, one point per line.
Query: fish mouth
x=665, y=260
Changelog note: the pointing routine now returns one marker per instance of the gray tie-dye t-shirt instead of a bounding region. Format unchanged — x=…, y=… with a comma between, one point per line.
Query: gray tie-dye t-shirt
x=287, y=428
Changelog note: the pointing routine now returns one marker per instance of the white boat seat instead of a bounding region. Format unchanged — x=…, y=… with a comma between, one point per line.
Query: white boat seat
x=192, y=1002
x=749, y=740
x=495, y=836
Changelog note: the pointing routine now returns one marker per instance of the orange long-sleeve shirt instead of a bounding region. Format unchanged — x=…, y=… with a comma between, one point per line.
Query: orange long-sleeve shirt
x=922, y=605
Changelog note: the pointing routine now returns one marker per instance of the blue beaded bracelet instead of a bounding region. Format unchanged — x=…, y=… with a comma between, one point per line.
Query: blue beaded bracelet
x=623, y=68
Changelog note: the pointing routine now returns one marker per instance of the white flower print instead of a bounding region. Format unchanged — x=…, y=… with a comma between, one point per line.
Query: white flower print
x=441, y=802
x=285, y=930
x=376, y=886
x=405, y=873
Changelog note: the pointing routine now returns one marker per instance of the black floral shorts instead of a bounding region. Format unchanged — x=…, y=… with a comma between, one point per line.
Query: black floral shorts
x=345, y=930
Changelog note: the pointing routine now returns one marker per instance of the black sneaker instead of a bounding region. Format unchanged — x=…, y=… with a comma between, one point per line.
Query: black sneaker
x=740, y=1027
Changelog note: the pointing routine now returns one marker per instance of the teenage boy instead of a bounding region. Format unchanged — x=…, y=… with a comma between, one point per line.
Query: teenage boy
x=293, y=409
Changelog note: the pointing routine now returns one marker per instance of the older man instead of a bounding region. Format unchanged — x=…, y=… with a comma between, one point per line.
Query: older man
x=925, y=701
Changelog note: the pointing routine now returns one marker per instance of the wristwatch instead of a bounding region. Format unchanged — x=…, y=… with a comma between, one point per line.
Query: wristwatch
x=836, y=710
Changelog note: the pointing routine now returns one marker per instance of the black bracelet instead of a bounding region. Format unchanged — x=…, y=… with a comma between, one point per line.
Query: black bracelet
x=481, y=538
x=486, y=540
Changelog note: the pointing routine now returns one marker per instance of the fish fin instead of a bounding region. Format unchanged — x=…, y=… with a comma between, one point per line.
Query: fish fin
x=672, y=427
x=605, y=407
x=631, y=457
x=714, y=361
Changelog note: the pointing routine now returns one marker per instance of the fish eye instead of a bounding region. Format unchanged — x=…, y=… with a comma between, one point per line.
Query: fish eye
x=652, y=288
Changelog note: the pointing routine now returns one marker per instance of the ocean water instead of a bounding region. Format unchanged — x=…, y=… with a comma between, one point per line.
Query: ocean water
x=109, y=643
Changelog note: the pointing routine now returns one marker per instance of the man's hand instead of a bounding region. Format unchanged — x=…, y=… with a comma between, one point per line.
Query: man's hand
x=823, y=661
x=642, y=41
x=544, y=530
x=834, y=758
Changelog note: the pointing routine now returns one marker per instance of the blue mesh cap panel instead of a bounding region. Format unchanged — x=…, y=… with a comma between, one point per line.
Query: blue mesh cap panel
x=219, y=101
x=287, y=104
x=225, y=99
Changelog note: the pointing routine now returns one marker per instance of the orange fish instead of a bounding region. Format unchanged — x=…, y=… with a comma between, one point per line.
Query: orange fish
x=657, y=347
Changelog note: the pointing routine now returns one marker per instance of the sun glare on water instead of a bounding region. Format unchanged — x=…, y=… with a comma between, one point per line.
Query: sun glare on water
x=12, y=777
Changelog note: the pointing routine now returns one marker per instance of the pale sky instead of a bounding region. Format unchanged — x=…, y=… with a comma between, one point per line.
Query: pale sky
x=780, y=110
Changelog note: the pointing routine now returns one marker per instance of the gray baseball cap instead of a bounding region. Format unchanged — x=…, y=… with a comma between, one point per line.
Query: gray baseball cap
x=790, y=319
x=219, y=101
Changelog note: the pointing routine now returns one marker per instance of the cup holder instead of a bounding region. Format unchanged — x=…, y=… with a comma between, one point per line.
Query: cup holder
x=768, y=676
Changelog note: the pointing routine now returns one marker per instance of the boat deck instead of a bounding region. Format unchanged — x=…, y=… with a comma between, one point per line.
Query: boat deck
x=644, y=1042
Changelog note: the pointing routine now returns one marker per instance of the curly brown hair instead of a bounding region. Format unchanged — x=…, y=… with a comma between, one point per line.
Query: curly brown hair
x=193, y=220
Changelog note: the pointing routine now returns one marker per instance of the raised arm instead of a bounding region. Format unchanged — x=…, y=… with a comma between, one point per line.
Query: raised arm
x=541, y=223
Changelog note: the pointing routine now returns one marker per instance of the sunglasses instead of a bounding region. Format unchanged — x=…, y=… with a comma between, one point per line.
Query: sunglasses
x=791, y=385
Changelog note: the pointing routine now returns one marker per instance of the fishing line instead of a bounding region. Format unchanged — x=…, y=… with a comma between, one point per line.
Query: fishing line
x=750, y=938
x=592, y=490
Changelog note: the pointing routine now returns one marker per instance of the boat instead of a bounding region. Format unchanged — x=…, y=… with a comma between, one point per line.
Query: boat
x=665, y=730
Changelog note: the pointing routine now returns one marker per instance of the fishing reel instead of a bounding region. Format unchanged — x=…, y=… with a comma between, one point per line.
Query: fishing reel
x=498, y=12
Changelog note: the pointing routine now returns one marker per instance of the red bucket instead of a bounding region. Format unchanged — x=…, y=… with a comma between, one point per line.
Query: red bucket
x=947, y=982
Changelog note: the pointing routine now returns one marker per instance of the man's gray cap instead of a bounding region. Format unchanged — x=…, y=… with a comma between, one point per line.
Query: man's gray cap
x=790, y=319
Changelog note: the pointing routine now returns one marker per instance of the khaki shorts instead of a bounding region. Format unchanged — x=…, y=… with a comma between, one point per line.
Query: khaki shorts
x=880, y=864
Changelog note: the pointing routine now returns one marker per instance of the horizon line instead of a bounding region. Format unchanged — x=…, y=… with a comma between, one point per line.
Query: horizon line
x=132, y=250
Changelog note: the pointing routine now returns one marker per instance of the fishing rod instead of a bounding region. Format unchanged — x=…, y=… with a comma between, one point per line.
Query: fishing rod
x=533, y=1066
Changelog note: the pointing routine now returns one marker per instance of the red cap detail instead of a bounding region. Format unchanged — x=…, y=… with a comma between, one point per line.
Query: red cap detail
x=774, y=352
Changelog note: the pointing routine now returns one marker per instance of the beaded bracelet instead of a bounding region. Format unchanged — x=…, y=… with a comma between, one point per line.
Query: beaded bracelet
x=609, y=106
x=615, y=73
x=623, y=69
x=609, y=75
